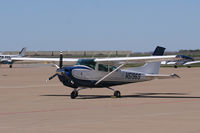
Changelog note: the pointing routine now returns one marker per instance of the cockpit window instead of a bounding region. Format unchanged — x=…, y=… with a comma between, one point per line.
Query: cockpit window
x=87, y=62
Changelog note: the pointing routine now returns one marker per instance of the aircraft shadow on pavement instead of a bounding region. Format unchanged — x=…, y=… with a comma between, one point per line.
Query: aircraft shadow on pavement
x=137, y=95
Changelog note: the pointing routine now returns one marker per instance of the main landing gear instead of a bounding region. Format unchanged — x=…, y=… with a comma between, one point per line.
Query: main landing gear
x=10, y=66
x=117, y=93
x=74, y=93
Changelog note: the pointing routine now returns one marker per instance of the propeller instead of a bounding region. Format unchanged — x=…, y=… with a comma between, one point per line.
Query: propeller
x=59, y=68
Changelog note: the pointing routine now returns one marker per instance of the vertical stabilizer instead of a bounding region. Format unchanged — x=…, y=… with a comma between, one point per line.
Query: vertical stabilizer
x=159, y=51
x=22, y=52
x=151, y=67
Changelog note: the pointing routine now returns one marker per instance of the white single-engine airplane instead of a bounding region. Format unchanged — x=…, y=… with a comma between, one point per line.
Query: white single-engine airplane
x=7, y=59
x=107, y=72
x=186, y=61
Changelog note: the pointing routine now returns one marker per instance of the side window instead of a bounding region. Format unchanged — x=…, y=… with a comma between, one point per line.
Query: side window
x=111, y=68
x=102, y=67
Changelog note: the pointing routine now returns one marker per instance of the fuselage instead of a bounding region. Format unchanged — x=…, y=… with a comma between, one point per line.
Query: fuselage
x=7, y=59
x=84, y=76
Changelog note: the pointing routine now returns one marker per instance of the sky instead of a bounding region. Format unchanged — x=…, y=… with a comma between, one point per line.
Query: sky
x=76, y=25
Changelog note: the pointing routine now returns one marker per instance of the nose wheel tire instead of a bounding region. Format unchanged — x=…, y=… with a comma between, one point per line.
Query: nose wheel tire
x=74, y=94
x=117, y=94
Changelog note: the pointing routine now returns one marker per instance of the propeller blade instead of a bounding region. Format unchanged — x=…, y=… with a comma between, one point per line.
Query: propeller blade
x=50, y=78
x=54, y=65
x=61, y=60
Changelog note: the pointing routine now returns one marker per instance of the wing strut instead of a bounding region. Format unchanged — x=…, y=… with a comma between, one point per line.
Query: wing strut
x=109, y=74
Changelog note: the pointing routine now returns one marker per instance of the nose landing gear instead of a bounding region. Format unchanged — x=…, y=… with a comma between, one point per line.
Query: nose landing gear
x=74, y=94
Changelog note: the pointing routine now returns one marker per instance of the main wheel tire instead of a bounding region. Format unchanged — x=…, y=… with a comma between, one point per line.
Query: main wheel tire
x=10, y=66
x=117, y=94
x=74, y=94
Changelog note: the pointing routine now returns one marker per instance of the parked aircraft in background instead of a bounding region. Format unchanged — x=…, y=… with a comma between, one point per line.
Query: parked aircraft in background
x=7, y=59
x=107, y=72
x=186, y=61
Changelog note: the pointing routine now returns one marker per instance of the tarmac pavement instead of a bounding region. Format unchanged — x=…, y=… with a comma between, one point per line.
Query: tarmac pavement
x=29, y=104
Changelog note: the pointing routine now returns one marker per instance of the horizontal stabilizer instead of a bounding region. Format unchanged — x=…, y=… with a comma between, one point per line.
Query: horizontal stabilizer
x=162, y=76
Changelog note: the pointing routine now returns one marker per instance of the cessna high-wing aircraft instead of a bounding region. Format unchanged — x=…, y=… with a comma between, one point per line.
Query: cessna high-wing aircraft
x=186, y=61
x=7, y=59
x=107, y=72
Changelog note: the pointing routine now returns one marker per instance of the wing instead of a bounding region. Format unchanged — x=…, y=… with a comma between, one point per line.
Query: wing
x=127, y=60
x=27, y=59
x=161, y=76
x=192, y=62
x=113, y=61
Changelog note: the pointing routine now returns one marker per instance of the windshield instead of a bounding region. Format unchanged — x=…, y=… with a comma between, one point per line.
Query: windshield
x=87, y=62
